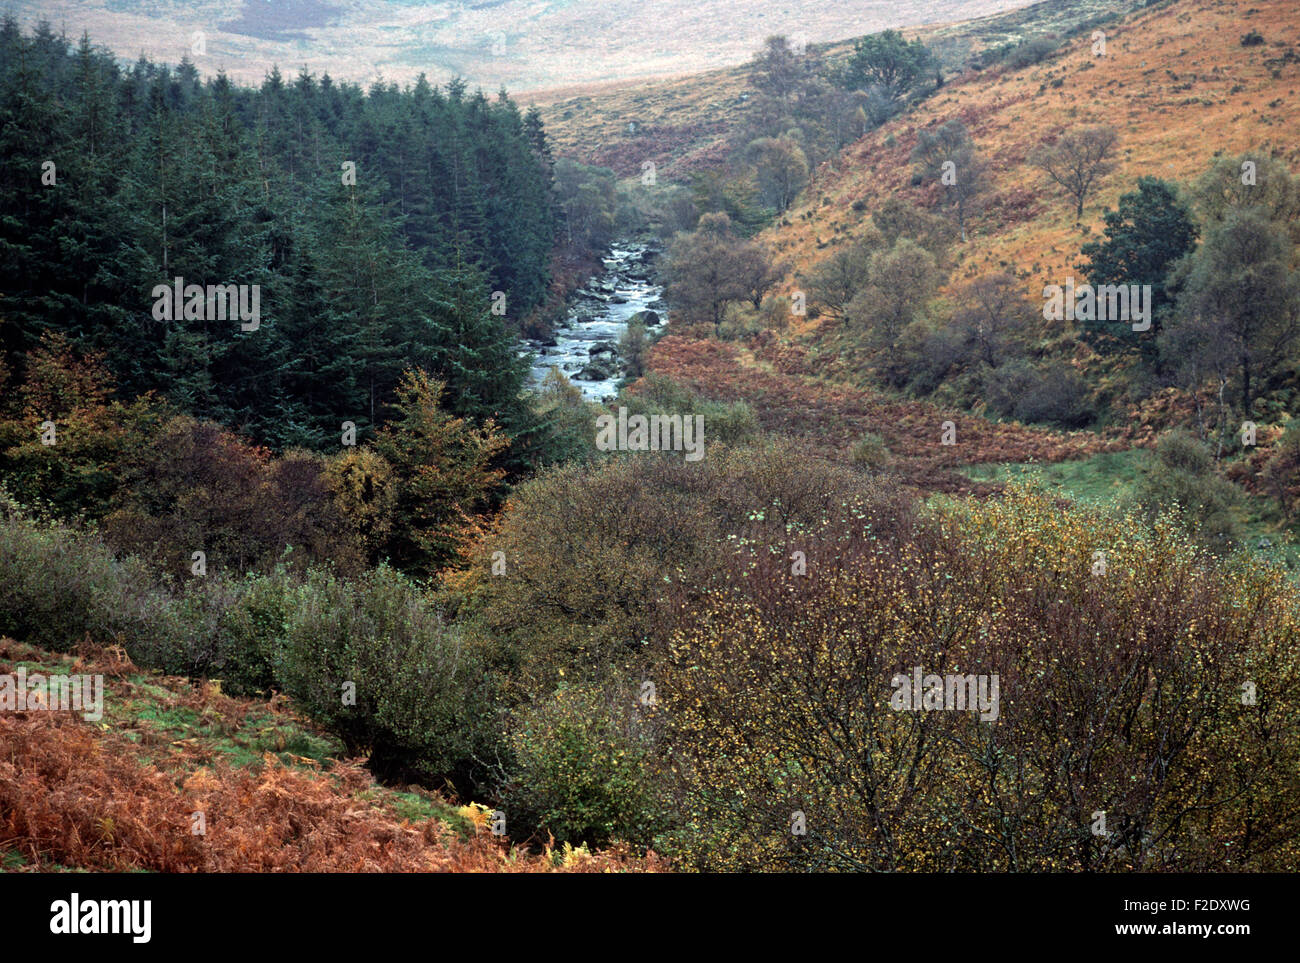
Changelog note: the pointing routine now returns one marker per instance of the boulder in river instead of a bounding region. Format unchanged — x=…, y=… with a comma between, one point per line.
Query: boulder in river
x=596, y=371
x=647, y=317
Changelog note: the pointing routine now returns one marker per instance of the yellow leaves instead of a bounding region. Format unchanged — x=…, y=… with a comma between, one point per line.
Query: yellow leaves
x=476, y=814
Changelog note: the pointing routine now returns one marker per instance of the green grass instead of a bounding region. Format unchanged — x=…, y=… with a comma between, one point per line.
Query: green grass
x=418, y=808
x=1110, y=480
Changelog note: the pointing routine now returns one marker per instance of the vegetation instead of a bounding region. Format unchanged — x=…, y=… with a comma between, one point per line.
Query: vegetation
x=353, y=536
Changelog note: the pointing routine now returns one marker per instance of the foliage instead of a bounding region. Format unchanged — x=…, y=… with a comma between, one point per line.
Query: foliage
x=443, y=471
x=948, y=155
x=1239, y=303
x=423, y=707
x=888, y=62
x=1180, y=479
x=161, y=176
x=58, y=585
x=601, y=558
x=197, y=487
x=710, y=268
x=1149, y=231
x=870, y=451
x=1120, y=692
x=582, y=768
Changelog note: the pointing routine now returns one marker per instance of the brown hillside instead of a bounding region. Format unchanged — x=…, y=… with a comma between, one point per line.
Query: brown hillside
x=1175, y=82
x=119, y=795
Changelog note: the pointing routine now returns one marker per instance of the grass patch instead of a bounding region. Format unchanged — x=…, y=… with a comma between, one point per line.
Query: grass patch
x=1110, y=480
x=1107, y=479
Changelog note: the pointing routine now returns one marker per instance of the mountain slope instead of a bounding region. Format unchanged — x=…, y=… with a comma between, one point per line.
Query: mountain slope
x=524, y=44
x=1176, y=82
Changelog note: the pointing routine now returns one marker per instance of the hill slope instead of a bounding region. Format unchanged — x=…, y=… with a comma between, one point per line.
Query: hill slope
x=524, y=44
x=1176, y=83
x=120, y=793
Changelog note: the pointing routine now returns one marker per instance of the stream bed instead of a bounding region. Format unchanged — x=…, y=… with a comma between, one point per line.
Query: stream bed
x=586, y=343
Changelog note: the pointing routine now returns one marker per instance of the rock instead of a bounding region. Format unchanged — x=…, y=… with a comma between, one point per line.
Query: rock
x=602, y=347
x=646, y=317
x=596, y=371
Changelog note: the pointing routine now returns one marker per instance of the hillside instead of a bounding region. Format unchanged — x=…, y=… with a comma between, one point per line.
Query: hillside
x=517, y=43
x=120, y=793
x=681, y=123
x=1176, y=82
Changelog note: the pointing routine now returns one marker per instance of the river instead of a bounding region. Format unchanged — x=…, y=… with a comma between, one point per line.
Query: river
x=585, y=345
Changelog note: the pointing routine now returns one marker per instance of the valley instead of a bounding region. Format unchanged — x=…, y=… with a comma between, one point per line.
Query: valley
x=596, y=458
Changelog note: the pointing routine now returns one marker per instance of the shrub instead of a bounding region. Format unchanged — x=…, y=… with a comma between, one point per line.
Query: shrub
x=420, y=702
x=1057, y=395
x=197, y=486
x=59, y=584
x=249, y=632
x=728, y=422
x=583, y=769
x=603, y=558
x=1252, y=39
x=1060, y=397
x=869, y=451
x=1119, y=690
x=1180, y=478
x=1030, y=52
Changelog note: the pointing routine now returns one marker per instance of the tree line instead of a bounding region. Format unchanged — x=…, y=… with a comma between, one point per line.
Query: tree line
x=384, y=228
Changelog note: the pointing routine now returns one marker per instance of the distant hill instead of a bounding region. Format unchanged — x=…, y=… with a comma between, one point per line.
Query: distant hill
x=681, y=123
x=523, y=44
